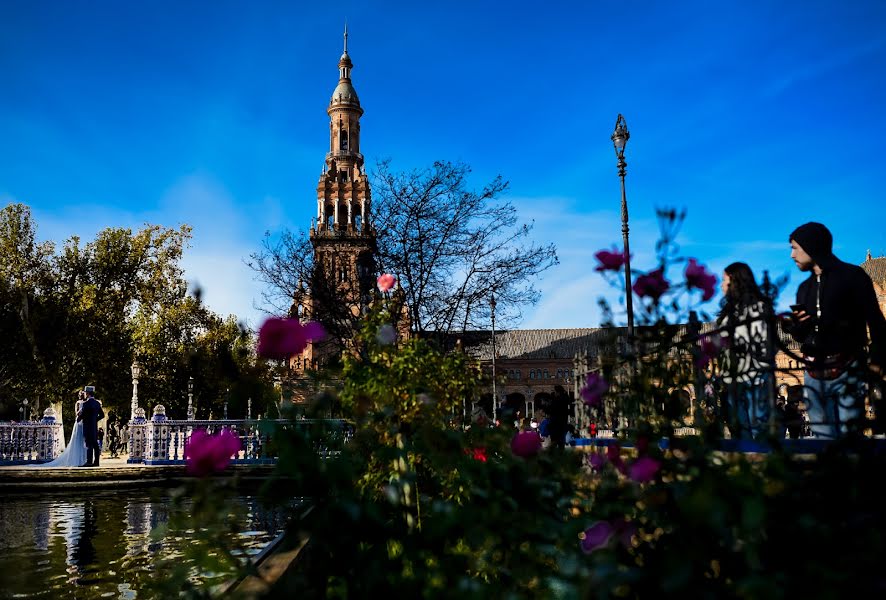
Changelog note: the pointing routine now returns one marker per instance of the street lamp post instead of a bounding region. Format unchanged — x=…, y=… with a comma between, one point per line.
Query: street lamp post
x=136, y=370
x=227, y=397
x=620, y=139
x=494, y=392
x=191, y=415
x=24, y=408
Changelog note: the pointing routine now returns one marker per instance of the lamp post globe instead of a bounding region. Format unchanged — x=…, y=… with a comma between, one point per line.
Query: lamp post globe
x=620, y=138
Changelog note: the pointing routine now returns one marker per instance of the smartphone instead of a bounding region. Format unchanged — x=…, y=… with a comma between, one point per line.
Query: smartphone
x=798, y=307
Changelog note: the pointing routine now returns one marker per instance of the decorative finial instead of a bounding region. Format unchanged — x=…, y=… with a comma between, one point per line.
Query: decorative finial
x=869, y=255
x=346, y=37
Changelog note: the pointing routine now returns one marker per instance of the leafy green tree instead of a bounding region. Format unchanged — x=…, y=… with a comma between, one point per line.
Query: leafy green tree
x=81, y=314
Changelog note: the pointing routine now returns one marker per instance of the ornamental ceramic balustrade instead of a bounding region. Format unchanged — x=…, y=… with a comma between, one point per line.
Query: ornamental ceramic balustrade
x=137, y=432
x=166, y=441
x=33, y=442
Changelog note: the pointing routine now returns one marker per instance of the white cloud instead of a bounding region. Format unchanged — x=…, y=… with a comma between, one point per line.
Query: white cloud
x=572, y=289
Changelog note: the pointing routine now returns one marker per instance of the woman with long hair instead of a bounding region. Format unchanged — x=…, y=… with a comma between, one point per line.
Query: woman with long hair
x=745, y=364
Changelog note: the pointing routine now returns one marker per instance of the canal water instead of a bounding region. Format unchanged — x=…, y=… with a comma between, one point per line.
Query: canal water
x=100, y=544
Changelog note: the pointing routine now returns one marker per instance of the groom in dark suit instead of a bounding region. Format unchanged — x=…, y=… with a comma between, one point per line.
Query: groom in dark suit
x=91, y=413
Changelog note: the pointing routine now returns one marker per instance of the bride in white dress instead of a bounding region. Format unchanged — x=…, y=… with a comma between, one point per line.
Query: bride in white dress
x=74, y=454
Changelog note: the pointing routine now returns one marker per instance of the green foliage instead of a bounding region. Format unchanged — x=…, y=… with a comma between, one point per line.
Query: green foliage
x=78, y=315
x=418, y=506
x=408, y=508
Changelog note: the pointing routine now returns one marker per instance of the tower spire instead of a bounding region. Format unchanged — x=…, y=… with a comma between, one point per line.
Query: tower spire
x=346, y=37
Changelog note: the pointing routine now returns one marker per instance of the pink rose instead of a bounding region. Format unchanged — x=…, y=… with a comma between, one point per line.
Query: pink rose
x=206, y=454
x=386, y=282
x=644, y=469
x=698, y=277
x=281, y=338
x=596, y=536
x=596, y=461
x=613, y=454
x=610, y=261
x=526, y=444
x=652, y=285
x=708, y=349
x=594, y=388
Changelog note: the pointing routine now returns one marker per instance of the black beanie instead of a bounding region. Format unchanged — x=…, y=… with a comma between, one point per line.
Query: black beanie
x=816, y=240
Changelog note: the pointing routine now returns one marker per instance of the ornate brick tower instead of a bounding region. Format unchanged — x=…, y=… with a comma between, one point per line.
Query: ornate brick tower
x=342, y=237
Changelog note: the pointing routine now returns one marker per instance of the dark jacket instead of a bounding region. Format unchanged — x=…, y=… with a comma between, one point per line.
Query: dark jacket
x=91, y=413
x=848, y=303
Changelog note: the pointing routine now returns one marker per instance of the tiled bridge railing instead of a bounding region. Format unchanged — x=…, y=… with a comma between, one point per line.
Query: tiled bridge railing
x=24, y=443
x=163, y=442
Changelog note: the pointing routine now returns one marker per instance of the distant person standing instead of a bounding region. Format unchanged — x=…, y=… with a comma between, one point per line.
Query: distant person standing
x=559, y=417
x=114, y=437
x=836, y=307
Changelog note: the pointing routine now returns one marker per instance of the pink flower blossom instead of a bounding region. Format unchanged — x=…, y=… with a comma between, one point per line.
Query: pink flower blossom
x=652, y=285
x=644, y=469
x=281, y=338
x=386, y=282
x=594, y=388
x=698, y=277
x=596, y=536
x=708, y=349
x=206, y=454
x=610, y=261
x=526, y=444
x=596, y=461
x=613, y=454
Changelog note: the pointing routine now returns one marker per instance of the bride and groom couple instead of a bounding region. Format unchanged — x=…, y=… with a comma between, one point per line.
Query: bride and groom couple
x=83, y=449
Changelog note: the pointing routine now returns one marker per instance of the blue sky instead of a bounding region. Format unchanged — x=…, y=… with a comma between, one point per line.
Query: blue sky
x=755, y=116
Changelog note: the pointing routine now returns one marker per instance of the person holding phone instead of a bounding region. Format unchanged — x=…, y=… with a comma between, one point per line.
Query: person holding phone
x=836, y=307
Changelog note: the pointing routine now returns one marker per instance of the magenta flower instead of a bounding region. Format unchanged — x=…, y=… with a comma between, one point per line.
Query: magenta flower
x=594, y=388
x=526, y=444
x=386, y=282
x=652, y=285
x=610, y=261
x=281, y=338
x=698, y=277
x=596, y=461
x=206, y=454
x=644, y=469
x=596, y=536
x=613, y=454
x=708, y=349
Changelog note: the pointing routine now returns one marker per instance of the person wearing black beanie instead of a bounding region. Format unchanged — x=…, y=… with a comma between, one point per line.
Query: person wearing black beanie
x=836, y=307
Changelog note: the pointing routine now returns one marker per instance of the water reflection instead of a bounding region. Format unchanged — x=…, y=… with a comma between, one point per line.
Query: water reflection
x=99, y=544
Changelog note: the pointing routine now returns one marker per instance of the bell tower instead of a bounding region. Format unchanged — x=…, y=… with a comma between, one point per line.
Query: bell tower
x=342, y=237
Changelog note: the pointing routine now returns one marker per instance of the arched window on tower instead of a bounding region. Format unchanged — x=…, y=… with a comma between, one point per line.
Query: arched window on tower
x=358, y=222
x=330, y=217
x=343, y=140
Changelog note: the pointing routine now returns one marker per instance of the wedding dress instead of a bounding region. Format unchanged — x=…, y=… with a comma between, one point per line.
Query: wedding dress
x=74, y=454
